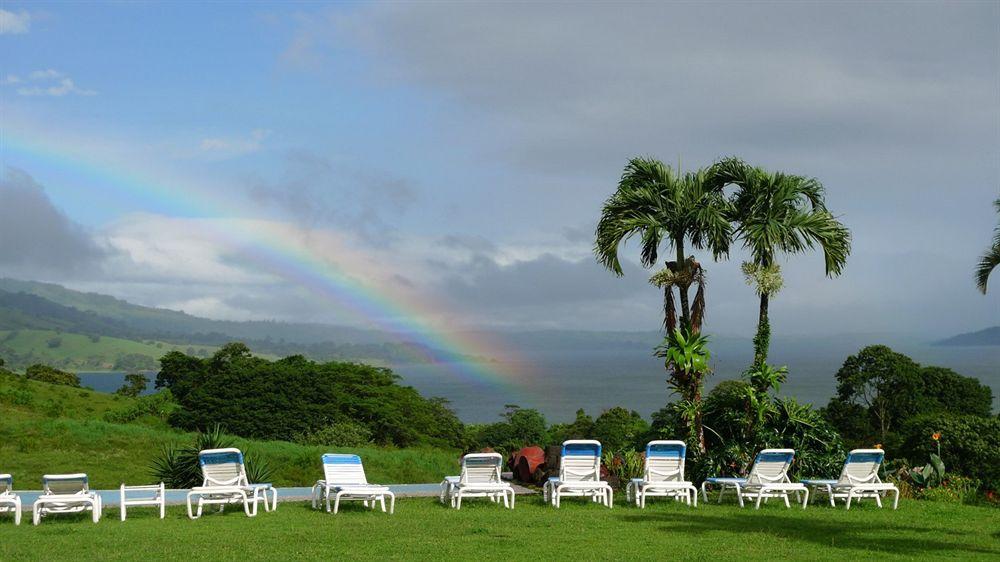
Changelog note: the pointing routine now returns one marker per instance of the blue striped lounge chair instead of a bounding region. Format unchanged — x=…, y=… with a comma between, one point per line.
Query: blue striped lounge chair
x=225, y=482
x=858, y=479
x=480, y=478
x=66, y=493
x=663, y=475
x=768, y=478
x=579, y=474
x=344, y=479
x=9, y=501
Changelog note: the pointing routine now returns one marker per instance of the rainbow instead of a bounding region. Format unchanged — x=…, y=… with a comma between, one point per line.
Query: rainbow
x=279, y=252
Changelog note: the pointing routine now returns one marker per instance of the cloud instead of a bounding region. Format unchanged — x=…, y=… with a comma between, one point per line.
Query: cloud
x=48, y=83
x=14, y=23
x=316, y=191
x=229, y=147
x=36, y=238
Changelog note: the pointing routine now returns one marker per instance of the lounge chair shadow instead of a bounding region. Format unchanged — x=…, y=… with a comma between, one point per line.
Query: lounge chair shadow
x=831, y=534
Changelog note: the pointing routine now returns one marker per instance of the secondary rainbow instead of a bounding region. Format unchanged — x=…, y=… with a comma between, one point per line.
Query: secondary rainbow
x=277, y=252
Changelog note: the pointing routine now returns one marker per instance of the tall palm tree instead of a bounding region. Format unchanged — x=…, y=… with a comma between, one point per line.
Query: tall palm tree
x=777, y=213
x=991, y=258
x=664, y=206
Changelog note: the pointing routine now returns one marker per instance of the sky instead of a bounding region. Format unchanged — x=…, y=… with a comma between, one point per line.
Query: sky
x=443, y=165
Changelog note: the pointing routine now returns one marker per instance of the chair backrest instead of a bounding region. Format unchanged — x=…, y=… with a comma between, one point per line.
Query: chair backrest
x=861, y=466
x=64, y=484
x=481, y=468
x=6, y=484
x=580, y=461
x=223, y=467
x=343, y=469
x=665, y=461
x=771, y=465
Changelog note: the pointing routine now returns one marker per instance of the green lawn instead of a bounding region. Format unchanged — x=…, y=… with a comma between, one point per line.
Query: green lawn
x=81, y=352
x=47, y=428
x=423, y=529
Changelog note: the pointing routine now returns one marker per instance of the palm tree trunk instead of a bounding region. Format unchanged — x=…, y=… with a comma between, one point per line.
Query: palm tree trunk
x=699, y=428
x=669, y=310
x=762, y=340
x=683, y=288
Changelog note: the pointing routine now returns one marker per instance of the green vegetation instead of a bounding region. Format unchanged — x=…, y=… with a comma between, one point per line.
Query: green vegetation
x=44, y=373
x=991, y=257
x=262, y=399
x=49, y=428
x=79, y=352
x=777, y=213
x=422, y=529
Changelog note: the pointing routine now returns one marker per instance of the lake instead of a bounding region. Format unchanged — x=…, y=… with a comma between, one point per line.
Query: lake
x=559, y=381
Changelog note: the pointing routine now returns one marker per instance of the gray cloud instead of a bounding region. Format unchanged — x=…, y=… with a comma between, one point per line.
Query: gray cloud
x=315, y=191
x=36, y=238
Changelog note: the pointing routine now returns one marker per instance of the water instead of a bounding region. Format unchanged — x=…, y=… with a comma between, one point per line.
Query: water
x=559, y=381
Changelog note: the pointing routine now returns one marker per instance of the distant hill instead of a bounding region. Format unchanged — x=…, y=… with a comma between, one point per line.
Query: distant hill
x=34, y=316
x=989, y=336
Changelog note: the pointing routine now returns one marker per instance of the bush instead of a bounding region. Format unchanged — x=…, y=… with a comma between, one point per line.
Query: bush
x=338, y=434
x=54, y=342
x=959, y=489
x=51, y=375
x=620, y=430
x=16, y=396
x=178, y=467
x=159, y=405
x=520, y=428
x=970, y=445
x=295, y=396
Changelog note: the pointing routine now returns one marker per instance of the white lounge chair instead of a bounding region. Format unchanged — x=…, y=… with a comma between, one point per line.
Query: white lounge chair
x=663, y=475
x=65, y=493
x=344, y=478
x=858, y=479
x=579, y=474
x=9, y=501
x=225, y=482
x=480, y=478
x=768, y=478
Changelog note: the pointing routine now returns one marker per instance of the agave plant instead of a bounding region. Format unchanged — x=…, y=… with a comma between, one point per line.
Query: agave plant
x=686, y=356
x=178, y=467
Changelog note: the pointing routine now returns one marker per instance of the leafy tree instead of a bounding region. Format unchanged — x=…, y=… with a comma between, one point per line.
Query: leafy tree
x=879, y=383
x=620, y=430
x=581, y=428
x=282, y=399
x=777, y=213
x=135, y=384
x=44, y=373
x=879, y=390
x=520, y=427
x=990, y=259
x=662, y=205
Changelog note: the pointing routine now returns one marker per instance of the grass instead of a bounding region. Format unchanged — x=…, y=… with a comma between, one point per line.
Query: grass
x=77, y=351
x=424, y=529
x=47, y=428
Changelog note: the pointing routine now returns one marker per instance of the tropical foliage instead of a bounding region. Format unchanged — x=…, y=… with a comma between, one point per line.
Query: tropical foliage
x=686, y=356
x=255, y=397
x=662, y=205
x=777, y=213
x=178, y=467
x=991, y=257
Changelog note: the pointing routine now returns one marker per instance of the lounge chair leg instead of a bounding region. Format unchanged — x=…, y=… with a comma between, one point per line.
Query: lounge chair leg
x=895, y=502
x=760, y=495
x=850, y=496
x=739, y=495
x=336, y=503
x=805, y=500
x=878, y=500
x=382, y=501
x=704, y=494
x=458, y=500
x=785, y=496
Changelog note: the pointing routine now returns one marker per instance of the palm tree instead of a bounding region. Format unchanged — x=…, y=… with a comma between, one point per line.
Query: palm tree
x=662, y=205
x=777, y=213
x=991, y=258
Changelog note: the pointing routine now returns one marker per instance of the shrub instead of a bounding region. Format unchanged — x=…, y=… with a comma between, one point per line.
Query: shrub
x=51, y=375
x=159, y=405
x=294, y=396
x=338, y=434
x=620, y=430
x=178, y=467
x=958, y=489
x=970, y=445
x=53, y=343
x=521, y=427
x=16, y=396
x=623, y=466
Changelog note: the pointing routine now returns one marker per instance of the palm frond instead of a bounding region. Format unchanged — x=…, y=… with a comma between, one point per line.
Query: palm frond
x=990, y=259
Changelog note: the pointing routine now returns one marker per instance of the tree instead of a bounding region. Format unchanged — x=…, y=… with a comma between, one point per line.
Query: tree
x=135, y=384
x=686, y=357
x=619, y=429
x=662, y=205
x=991, y=258
x=777, y=213
x=51, y=375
